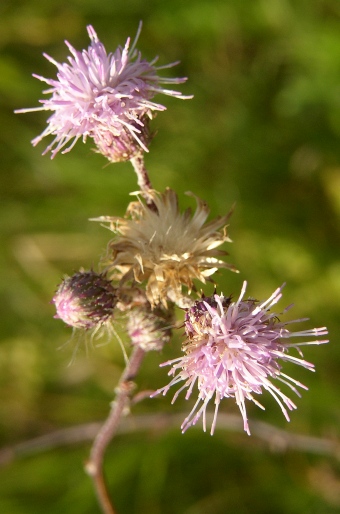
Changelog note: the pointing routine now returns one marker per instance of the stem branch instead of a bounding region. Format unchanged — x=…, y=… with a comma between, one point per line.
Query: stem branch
x=94, y=466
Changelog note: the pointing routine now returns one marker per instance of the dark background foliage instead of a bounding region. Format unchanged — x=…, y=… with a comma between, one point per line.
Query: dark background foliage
x=262, y=130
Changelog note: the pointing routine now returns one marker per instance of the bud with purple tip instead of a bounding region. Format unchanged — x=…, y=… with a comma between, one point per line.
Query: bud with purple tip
x=85, y=300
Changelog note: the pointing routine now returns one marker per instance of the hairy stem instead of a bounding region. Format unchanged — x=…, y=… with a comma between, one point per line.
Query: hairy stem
x=142, y=176
x=94, y=466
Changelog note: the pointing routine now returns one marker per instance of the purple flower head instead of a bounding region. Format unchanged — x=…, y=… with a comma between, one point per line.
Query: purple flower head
x=85, y=300
x=105, y=96
x=233, y=350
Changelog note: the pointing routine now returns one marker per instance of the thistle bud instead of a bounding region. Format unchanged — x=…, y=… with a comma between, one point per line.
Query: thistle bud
x=85, y=300
x=149, y=330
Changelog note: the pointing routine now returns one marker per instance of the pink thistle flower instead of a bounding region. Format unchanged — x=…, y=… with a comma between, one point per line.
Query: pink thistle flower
x=105, y=96
x=85, y=300
x=233, y=351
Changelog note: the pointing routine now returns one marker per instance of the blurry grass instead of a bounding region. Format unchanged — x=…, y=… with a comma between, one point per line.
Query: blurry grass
x=262, y=130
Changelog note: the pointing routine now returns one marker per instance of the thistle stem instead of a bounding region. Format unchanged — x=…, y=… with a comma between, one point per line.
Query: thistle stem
x=143, y=179
x=94, y=466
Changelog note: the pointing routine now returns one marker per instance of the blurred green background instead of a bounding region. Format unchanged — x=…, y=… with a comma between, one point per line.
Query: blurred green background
x=262, y=130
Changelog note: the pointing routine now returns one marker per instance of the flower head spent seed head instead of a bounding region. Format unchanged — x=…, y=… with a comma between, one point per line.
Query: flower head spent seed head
x=233, y=350
x=104, y=96
x=85, y=300
x=166, y=248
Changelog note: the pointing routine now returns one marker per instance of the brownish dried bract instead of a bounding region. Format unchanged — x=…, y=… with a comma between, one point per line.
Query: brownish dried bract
x=166, y=249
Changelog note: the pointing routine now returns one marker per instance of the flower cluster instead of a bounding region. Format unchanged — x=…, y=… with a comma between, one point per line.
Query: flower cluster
x=104, y=96
x=233, y=351
x=166, y=248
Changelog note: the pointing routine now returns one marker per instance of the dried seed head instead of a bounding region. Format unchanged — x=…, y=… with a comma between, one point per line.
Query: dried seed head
x=164, y=248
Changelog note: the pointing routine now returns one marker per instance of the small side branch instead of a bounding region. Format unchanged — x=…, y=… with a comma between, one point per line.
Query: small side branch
x=278, y=440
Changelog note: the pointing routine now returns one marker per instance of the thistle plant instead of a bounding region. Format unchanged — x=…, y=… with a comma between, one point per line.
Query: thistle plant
x=160, y=257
